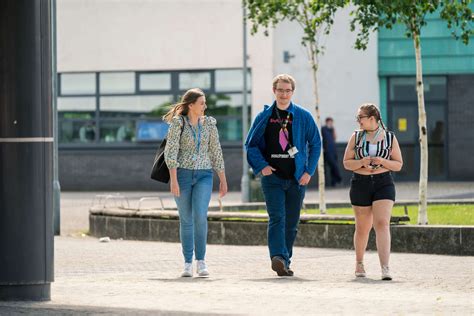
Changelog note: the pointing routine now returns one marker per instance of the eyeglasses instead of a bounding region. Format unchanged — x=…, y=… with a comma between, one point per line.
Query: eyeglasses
x=283, y=91
x=360, y=117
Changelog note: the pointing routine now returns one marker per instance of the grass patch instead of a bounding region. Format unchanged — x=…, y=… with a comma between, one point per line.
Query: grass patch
x=443, y=214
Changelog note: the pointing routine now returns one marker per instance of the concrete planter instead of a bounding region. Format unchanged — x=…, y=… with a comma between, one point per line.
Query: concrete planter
x=447, y=240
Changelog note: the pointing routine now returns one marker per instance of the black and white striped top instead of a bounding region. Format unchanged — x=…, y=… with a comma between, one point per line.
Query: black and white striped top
x=384, y=147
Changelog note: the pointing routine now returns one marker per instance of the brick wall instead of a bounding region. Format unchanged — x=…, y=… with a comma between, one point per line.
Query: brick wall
x=461, y=127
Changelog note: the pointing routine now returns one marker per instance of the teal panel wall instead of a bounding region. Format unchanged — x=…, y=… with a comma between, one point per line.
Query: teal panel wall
x=383, y=98
x=441, y=53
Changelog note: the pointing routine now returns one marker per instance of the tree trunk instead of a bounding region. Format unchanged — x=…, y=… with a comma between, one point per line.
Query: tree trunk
x=321, y=178
x=423, y=138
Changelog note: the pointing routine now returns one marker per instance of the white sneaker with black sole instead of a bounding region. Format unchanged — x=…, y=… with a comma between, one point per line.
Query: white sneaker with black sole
x=386, y=276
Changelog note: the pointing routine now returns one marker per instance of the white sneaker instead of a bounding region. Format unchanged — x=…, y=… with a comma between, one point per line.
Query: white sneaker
x=188, y=270
x=386, y=273
x=202, y=268
x=360, y=270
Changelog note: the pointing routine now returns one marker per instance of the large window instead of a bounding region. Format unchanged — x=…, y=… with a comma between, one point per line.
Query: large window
x=403, y=119
x=126, y=107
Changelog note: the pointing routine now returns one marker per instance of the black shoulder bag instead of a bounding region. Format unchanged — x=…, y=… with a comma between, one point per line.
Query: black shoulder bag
x=160, y=171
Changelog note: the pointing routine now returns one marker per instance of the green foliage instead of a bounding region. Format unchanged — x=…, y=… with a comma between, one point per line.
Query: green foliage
x=370, y=15
x=314, y=16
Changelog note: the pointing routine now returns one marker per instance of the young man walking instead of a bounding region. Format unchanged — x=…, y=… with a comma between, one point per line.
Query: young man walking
x=283, y=146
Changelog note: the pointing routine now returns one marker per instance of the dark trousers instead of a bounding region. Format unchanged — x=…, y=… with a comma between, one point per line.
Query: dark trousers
x=284, y=199
x=330, y=164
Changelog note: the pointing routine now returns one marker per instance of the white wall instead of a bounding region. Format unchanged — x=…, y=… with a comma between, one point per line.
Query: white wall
x=347, y=77
x=115, y=35
x=149, y=34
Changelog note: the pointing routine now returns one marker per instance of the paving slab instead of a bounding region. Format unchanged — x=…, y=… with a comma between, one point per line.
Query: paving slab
x=138, y=277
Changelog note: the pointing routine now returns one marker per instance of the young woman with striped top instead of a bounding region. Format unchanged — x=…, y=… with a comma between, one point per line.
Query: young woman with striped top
x=372, y=154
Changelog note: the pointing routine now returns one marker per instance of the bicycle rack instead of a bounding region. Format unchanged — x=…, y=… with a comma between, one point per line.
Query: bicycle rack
x=103, y=198
x=150, y=198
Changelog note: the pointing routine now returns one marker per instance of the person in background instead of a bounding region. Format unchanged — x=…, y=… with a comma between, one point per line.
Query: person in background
x=328, y=133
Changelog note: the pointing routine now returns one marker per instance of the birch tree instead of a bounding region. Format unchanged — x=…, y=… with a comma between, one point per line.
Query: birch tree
x=370, y=15
x=315, y=18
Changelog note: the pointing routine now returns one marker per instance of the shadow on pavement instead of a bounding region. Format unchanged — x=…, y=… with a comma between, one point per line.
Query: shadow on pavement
x=373, y=281
x=282, y=279
x=32, y=308
x=185, y=280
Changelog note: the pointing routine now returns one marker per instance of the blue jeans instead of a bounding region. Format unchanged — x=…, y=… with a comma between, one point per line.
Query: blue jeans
x=195, y=188
x=284, y=199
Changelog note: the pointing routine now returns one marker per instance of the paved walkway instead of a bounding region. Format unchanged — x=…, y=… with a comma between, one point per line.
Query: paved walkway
x=141, y=278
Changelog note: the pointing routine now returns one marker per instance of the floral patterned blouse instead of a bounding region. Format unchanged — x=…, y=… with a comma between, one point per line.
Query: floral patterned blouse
x=185, y=151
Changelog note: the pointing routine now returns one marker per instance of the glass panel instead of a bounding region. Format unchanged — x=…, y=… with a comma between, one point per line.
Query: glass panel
x=405, y=123
x=117, y=82
x=76, y=131
x=404, y=89
x=435, y=88
x=230, y=128
x=226, y=104
x=77, y=83
x=76, y=107
x=436, y=161
x=155, y=82
x=150, y=105
x=151, y=130
x=410, y=169
x=112, y=131
x=435, y=124
x=230, y=80
x=188, y=80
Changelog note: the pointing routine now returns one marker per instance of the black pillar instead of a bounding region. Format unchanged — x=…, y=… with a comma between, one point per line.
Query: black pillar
x=26, y=150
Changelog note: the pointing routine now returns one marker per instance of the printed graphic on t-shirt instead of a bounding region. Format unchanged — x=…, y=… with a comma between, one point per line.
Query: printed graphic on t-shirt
x=283, y=136
x=278, y=140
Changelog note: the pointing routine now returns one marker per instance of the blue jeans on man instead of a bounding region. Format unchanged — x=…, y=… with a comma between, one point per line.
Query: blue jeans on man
x=284, y=198
x=195, y=193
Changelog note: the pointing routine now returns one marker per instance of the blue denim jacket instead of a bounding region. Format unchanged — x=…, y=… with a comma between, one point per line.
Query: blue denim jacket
x=305, y=137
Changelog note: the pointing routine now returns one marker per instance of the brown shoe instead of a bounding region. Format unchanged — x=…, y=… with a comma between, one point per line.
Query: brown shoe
x=278, y=265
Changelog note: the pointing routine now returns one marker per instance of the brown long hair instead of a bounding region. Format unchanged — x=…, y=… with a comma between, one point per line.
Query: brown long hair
x=182, y=107
x=371, y=109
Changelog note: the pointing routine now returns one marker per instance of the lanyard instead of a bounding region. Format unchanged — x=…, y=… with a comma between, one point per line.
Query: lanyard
x=284, y=124
x=197, y=138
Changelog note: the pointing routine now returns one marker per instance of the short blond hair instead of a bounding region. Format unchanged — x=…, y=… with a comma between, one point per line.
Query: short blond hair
x=284, y=78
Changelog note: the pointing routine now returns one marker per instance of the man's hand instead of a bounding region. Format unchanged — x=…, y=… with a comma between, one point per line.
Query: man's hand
x=268, y=170
x=304, y=180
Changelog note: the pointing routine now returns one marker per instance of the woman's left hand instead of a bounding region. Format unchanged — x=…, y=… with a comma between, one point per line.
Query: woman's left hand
x=222, y=188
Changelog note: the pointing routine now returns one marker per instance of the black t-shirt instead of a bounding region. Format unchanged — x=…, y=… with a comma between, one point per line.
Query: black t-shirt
x=275, y=154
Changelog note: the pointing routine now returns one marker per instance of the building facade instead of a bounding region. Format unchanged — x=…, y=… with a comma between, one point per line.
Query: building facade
x=121, y=63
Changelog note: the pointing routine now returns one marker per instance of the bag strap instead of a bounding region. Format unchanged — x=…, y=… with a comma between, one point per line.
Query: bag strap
x=182, y=126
